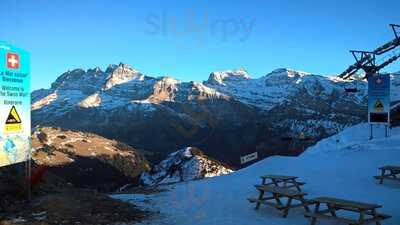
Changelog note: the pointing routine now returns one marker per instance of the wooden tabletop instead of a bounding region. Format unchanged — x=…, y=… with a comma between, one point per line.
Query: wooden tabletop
x=279, y=177
x=280, y=190
x=394, y=168
x=347, y=203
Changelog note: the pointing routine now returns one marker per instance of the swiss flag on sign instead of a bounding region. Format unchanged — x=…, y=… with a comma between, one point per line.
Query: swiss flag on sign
x=12, y=60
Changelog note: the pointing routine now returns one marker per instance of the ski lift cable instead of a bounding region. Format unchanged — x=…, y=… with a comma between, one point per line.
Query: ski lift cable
x=389, y=55
x=388, y=62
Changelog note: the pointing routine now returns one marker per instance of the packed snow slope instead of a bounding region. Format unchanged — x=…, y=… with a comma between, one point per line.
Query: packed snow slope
x=341, y=166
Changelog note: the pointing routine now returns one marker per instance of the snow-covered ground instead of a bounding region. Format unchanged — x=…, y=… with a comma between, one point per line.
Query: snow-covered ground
x=341, y=166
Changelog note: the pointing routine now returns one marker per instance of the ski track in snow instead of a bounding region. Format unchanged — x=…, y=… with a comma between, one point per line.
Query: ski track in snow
x=342, y=169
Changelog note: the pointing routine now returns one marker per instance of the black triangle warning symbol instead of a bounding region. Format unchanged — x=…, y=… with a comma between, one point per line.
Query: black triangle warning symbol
x=379, y=105
x=13, y=116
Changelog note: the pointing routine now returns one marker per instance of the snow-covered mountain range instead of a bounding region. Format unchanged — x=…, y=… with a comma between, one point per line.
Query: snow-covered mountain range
x=121, y=85
x=227, y=116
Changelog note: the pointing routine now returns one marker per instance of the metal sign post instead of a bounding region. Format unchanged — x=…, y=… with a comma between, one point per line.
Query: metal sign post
x=28, y=177
x=15, y=108
x=371, y=135
x=386, y=131
x=379, y=101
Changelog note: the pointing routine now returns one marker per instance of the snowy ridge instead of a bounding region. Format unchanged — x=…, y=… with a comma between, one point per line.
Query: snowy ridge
x=126, y=83
x=45, y=101
x=221, y=77
x=342, y=171
x=92, y=89
x=184, y=165
x=282, y=85
x=122, y=74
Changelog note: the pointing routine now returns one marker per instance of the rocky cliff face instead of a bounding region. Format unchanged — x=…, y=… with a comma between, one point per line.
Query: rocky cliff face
x=184, y=165
x=227, y=116
x=86, y=159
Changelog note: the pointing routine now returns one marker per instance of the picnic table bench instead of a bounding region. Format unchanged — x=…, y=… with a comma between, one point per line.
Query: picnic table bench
x=282, y=181
x=393, y=171
x=367, y=212
x=277, y=194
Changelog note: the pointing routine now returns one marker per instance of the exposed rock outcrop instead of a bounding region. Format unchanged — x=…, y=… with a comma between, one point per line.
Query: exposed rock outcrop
x=186, y=164
x=86, y=159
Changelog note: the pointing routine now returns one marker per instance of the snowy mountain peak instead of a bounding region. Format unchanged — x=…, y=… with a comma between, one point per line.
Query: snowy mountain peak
x=220, y=77
x=201, y=91
x=68, y=77
x=169, y=80
x=189, y=163
x=288, y=73
x=111, y=68
x=164, y=90
x=96, y=70
x=242, y=72
x=121, y=74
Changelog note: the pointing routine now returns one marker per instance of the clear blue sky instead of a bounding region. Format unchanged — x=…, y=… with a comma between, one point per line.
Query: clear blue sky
x=259, y=35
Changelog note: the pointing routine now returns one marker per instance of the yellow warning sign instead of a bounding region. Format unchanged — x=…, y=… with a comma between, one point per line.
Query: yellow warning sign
x=13, y=122
x=378, y=106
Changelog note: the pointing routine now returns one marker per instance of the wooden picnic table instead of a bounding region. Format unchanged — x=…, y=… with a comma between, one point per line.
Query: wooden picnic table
x=278, y=193
x=366, y=212
x=282, y=181
x=389, y=173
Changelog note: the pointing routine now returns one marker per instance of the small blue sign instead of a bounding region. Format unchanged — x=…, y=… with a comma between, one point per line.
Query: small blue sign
x=379, y=99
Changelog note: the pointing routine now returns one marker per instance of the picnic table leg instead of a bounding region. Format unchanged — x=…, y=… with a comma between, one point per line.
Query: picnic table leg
x=393, y=174
x=305, y=204
x=361, y=219
x=263, y=180
x=275, y=182
x=332, y=210
x=375, y=216
x=296, y=185
x=287, y=207
x=314, y=219
x=278, y=201
x=260, y=197
x=382, y=175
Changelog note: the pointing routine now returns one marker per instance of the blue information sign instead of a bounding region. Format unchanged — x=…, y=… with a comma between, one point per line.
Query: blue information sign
x=15, y=105
x=379, y=99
